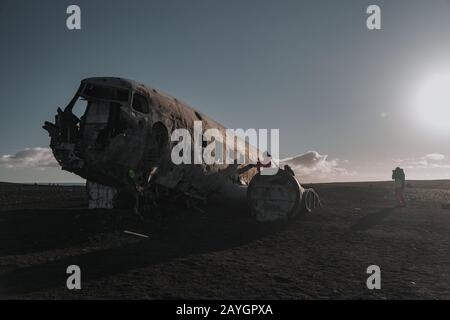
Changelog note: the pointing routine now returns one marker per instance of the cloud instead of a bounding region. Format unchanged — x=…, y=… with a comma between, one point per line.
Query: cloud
x=429, y=161
x=29, y=158
x=435, y=157
x=313, y=166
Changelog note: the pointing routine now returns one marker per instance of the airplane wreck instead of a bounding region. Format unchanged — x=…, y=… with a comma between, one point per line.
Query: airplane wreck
x=121, y=145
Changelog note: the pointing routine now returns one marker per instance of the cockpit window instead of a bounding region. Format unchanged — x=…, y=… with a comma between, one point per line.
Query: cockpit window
x=97, y=112
x=140, y=103
x=105, y=93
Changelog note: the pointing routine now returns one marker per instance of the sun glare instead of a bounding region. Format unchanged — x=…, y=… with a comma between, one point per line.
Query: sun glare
x=433, y=103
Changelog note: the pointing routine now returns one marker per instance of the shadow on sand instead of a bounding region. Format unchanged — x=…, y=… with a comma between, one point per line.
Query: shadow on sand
x=181, y=236
x=372, y=219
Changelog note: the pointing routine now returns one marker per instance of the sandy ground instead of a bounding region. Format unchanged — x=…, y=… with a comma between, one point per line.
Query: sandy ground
x=224, y=254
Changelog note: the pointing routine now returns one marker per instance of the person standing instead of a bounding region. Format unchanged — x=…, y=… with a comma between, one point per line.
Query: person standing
x=398, y=175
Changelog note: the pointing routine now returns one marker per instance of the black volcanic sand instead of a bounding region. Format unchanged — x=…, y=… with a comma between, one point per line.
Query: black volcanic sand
x=222, y=253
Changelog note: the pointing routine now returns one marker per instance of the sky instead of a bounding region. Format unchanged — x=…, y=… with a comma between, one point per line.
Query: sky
x=350, y=103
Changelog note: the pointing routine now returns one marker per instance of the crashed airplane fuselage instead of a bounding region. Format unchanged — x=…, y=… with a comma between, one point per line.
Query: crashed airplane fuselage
x=122, y=141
